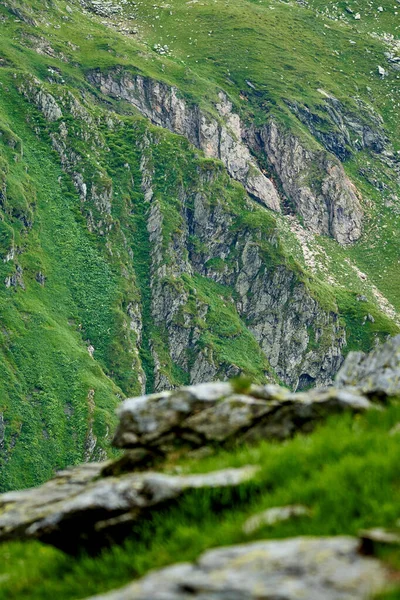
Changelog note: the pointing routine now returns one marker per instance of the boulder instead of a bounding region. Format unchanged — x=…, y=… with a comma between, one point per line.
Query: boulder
x=376, y=373
x=206, y=414
x=312, y=568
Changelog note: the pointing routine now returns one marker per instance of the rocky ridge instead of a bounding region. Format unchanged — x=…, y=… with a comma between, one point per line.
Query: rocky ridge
x=278, y=308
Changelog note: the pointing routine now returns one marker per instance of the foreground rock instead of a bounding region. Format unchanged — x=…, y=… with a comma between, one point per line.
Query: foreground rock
x=204, y=414
x=78, y=508
x=376, y=373
x=90, y=505
x=312, y=568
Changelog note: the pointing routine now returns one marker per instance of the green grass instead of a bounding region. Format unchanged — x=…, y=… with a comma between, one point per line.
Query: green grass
x=347, y=473
x=48, y=371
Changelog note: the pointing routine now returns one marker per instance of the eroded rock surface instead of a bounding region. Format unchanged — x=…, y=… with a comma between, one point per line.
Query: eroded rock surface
x=312, y=568
x=164, y=106
x=324, y=197
x=315, y=181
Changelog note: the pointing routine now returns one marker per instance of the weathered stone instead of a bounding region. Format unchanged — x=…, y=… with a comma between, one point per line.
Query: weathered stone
x=330, y=205
x=78, y=508
x=147, y=418
x=328, y=202
x=228, y=417
x=301, y=412
x=278, y=308
x=198, y=415
x=312, y=568
x=273, y=516
x=376, y=373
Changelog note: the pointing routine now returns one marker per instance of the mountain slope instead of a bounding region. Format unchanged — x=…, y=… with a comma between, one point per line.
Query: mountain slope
x=226, y=204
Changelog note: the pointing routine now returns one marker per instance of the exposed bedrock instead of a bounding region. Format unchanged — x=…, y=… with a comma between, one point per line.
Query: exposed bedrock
x=165, y=107
x=314, y=181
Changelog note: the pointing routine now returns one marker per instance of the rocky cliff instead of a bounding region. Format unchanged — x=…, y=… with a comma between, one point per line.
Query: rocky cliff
x=314, y=182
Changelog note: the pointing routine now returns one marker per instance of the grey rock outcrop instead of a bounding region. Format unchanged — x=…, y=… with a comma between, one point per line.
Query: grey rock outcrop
x=165, y=107
x=315, y=181
x=213, y=413
x=312, y=568
x=342, y=131
x=280, y=312
x=79, y=508
x=376, y=373
x=278, y=308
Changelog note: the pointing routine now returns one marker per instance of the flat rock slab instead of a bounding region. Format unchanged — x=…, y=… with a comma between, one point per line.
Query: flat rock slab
x=78, y=508
x=292, y=569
